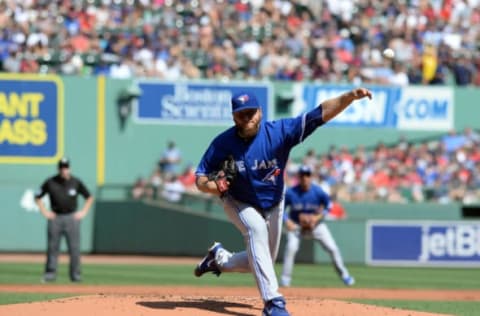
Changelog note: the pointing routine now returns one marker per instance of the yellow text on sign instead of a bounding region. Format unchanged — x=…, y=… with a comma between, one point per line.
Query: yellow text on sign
x=20, y=123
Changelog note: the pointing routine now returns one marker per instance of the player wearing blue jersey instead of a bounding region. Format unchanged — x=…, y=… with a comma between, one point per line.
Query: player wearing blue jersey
x=254, y=201
x=308, y=205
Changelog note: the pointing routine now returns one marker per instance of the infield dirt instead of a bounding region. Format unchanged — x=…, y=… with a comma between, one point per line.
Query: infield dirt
x=102, y=300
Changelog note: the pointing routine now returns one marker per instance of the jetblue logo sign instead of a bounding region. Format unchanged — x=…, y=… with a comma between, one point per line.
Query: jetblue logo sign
x=423, y=243
x=426, y=109
x=450, y=242
x=408, y=108
x=193, y=103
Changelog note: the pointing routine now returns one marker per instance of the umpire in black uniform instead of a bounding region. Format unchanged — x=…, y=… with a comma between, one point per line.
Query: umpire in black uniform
x=63, y=219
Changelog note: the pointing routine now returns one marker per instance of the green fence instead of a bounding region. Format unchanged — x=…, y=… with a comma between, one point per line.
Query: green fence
x=190, y=226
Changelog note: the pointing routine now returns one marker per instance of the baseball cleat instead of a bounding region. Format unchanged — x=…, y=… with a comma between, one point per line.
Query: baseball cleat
x=348, y=280
x=208, y=263
x=275, y=307
x=49, y=277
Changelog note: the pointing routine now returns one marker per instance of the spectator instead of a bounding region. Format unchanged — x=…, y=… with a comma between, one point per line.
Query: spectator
x=13, y=62
x=472, y=136
x=337, y=211
x=156, y=181
x=453, y=141
x=286, y=40
x=187, y=179
x=172, y=189
x=141, y=189
x=442, y=170
x=399, y=76
x=429, y=64
x=170, y=159
x=463, y=70
x=310, y=159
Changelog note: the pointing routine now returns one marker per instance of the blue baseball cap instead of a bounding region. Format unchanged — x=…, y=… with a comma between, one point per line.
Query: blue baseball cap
x=244, y=100
x=305, y=170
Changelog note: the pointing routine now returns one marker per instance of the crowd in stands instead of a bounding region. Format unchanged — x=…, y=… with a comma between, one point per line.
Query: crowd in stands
x=166, y=181
x=436, y=42
x=443, y=170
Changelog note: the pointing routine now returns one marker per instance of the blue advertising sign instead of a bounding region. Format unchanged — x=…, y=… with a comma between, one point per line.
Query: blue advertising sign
x=426, y=243
x=194, y=103
x=31, y=119
x=407, y=108
x=378, y=112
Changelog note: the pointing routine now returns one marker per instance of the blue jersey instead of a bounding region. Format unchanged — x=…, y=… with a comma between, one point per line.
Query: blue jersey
x=310, y=202
x=261, y=161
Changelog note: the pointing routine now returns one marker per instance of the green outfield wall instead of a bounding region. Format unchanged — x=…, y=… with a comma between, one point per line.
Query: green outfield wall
x=160, y=228
x=138, y=227
x=103, y=153
x=22, y=227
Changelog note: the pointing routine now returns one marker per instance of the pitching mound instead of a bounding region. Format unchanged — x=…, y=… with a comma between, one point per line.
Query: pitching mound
x=120, y=305
x=193, y=301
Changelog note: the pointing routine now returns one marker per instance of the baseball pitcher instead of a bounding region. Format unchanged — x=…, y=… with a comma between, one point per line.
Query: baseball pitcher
x=252, y=187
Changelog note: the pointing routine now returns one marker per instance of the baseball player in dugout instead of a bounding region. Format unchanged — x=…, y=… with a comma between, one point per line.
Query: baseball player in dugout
x=308, y=206
x=63, y=218
x=244, y=167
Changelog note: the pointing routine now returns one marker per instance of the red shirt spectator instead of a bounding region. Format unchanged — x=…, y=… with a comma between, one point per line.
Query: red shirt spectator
x=187, y=178
x=337, y=212
x=80, y=43
x=29, y=65
x=380, y=179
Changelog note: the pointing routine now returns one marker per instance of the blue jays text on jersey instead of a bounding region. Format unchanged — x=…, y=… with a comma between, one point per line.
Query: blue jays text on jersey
x=261, y=160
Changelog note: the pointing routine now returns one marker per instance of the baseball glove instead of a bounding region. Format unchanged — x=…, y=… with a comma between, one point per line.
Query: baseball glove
x=306, y=221
x=225, y=175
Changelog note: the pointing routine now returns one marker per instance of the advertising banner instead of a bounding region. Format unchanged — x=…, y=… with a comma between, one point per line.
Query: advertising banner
x=423, y=243
x=426, y=108
x=405, y=108
x=194, y=103
x=31, y=119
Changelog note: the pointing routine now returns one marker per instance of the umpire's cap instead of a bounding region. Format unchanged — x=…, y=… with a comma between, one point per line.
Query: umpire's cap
x=244, y=100
x=64, y=163
x=305, y=170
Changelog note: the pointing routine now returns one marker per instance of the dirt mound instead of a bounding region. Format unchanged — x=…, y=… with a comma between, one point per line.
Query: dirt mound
x=122, y=300
x=172, y=305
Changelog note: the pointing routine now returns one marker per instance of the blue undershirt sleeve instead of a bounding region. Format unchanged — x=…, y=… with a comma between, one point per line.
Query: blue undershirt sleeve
x=313, y=119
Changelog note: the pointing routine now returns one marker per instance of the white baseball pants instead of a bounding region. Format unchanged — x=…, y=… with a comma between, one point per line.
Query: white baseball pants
x=322, y=234
x=262, y=239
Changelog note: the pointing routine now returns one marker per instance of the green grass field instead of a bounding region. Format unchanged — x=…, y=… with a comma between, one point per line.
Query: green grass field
x=305, y=275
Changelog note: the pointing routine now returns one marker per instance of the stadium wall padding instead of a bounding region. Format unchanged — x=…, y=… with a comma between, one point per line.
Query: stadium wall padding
x=135, y=227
